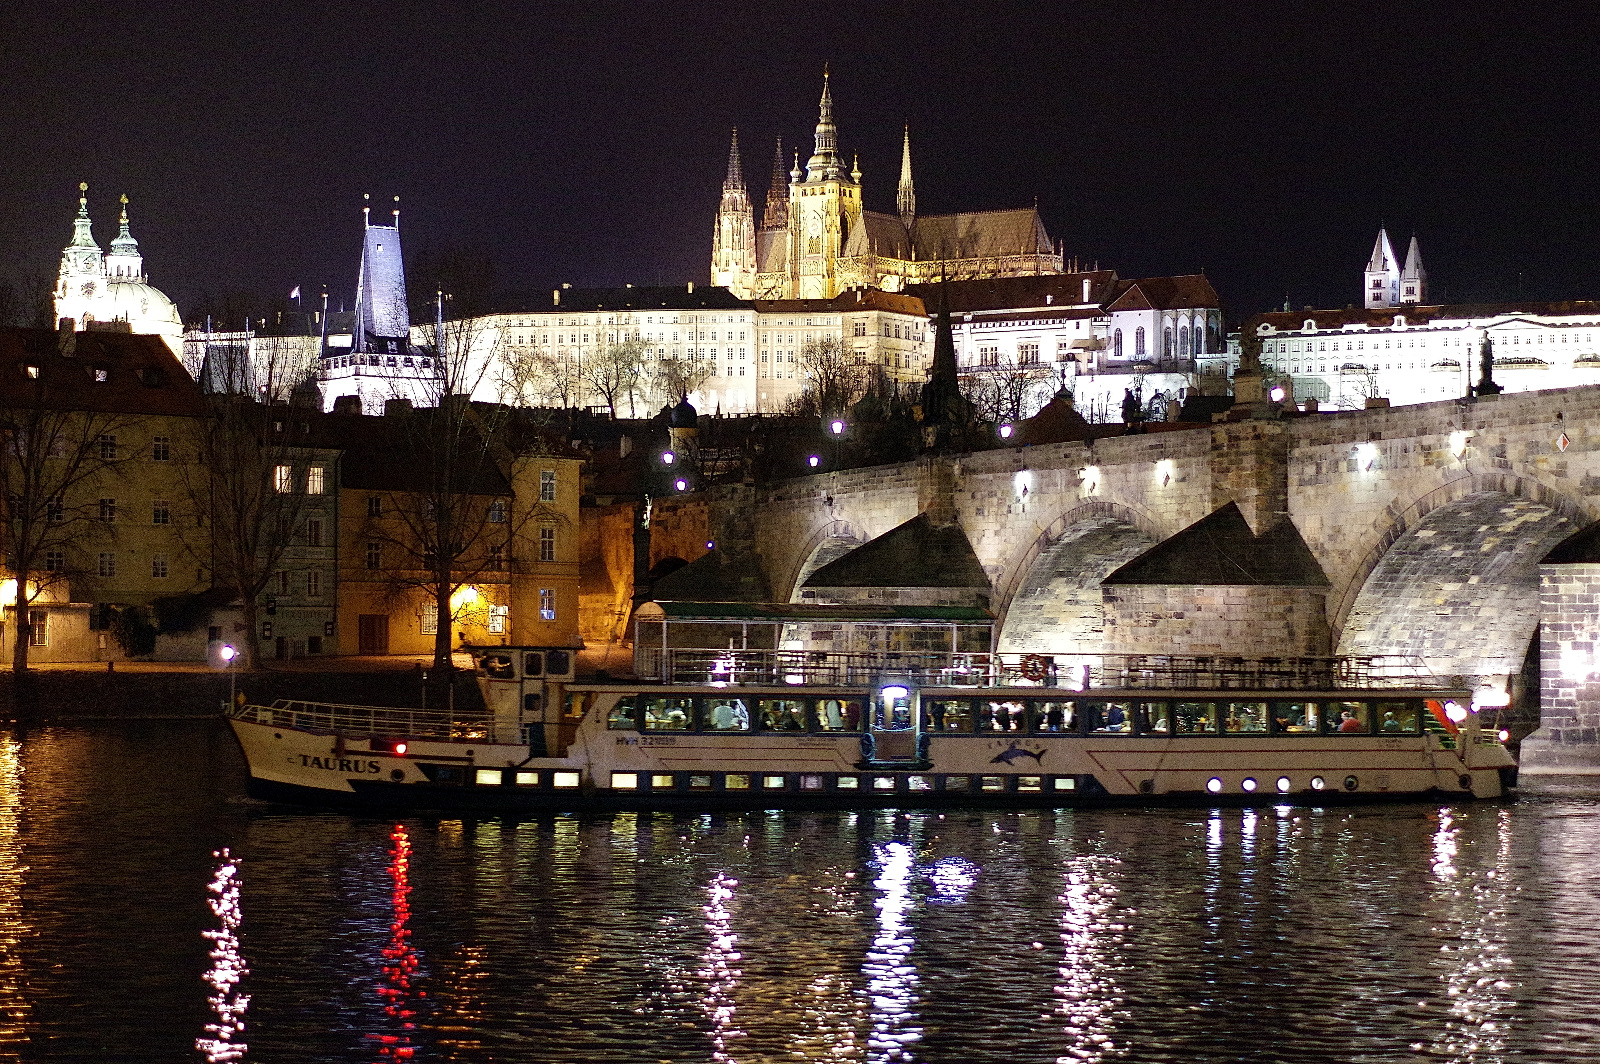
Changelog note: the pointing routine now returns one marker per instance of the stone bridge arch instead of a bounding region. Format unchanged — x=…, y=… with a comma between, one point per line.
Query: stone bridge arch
x=1454, y=579
x=1049, y=599
x=831, y=541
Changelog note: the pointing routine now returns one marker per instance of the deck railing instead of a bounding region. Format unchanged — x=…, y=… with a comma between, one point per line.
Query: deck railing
x=1071, y=672
x=396, y=721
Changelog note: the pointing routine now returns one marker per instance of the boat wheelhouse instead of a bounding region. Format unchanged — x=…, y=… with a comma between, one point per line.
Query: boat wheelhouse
x=740, y=705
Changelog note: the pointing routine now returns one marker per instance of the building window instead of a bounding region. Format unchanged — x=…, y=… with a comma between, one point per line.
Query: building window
x=54, y=511
x=158, y=566
x=314, y=584
x=860, y=328
x=547, y=485
x=108, y=563
x=55, y=561
x=547, y=603
x=430, y=620
x=497, y=558
x=1138, y=342
x=283, y=581
x=282, y=479
x=108, y=447
x=375, y=506
x=498, y=617
x=1028, y=354
x=547, y=544
x=38, y=628
x=108, y=510
x=161, y=449
x=101, y=375
x=314, y=532
x=988, y=356
x=314, y=480
x=374, y=556
x=160, y=512
x=497, y=512
x=1116, y=344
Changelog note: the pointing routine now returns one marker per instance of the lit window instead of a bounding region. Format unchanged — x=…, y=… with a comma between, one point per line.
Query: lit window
x=38, y=628
x=282, y=479
x=499, y=617
x=547, y=603
x=430, y=620
x=314, y=480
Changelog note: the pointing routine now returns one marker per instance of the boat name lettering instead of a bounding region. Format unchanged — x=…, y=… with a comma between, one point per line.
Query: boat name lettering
x=627, y=740
x=339, y=764
x=658, y=740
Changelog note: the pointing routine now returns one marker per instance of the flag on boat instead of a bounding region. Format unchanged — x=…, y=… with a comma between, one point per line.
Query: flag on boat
x=295, y=294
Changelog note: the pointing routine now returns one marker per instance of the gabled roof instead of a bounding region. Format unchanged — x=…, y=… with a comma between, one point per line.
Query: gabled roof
x=977, y=234
x=854, y=299
x=715, y=576
x=1220, y=549
x=915, y=554
x=141, y=374
x=879, y=234
x=628, y=297
x=1418, y=315
x=395, y=452
x=1166, y=293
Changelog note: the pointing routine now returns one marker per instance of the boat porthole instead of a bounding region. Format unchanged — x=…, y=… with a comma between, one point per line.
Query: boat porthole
x=1465, y=781
x=1284, y=784
x=277, y=735
x=1317, y=783
x=1249, y=785
x=397, y=774
x=1351, y=783
x=1214, y=785
x=1147, y=786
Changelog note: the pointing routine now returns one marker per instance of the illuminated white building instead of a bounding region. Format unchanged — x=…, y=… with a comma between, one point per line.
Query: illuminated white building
x=98, y=287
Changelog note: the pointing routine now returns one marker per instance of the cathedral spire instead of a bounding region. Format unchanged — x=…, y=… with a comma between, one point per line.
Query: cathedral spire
x=825, y=162
x=1414, y=280
x=735, y=179
x=1382, y=278
x=82, y=231
x=906, y=198
x=776, y=213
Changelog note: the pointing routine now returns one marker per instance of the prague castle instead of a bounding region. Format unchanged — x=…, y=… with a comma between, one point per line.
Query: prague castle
x=817, y=239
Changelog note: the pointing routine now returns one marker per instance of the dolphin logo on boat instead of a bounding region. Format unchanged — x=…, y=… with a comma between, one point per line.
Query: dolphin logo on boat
x=1011, y=753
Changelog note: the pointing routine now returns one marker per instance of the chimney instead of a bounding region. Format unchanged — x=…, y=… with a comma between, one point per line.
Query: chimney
x=396, y=407
x=690, y=288
x=1086, y=289
x=555, y=294
x=347, y=404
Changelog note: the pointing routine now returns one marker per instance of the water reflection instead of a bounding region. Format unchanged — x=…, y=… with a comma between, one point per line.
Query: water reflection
x=395, y=989
x=228, y=968
x=1475, y=902
x=891, y=978
x=720, y=966
x=1091, y=937
x=14, y=1008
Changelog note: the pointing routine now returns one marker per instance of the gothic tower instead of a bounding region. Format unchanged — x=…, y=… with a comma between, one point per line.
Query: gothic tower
x=382, y=316
x=824, y=207
x=1414, y=280
x=776, y=213
x=906, y=199
x=733, y=245
x=1383, y=275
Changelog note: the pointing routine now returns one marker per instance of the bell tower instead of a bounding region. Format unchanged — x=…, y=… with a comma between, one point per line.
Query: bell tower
x=733, y=245
x=824, y=207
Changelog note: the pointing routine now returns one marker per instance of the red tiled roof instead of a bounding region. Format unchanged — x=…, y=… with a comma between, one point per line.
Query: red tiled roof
x=99, y=371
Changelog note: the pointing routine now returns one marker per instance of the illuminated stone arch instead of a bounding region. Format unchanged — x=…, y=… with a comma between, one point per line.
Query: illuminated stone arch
x=1050, y=600
x=832, y=541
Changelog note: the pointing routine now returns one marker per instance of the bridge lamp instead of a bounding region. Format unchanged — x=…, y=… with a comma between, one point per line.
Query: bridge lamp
x=1022, y=483
x=837, y=427
x=1277, y=393
x=1367, y=456
x=1090, y=475
x=1006, y=431
x=667, y=458
x=1164, y=470
x=1458, y=443
x=812, y=461
x=681, y=484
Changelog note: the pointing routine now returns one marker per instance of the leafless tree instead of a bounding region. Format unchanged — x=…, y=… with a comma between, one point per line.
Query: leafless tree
x=671, y=379
x=613, y=369
x=538, y=377
x=51, y=455
x=1009, y=391
x=834, y=377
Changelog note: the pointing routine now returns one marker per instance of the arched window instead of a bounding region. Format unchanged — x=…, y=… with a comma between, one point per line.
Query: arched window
x=1138, y=342
x=1116, y=343
x=1166, y=342
x=1183, y=341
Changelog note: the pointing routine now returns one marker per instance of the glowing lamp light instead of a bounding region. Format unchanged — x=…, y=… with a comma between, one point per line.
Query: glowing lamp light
x=465, y=596
x=1367, y=455
x=667, y=458
x=1164, y=470
x=1214, y=785
x=1006, y=431
x=1022, y=483
x=1505, y=735
x=894, y=691
x=681, y=485
x=400, y=748
x=837, y=428
x=1278, y=393
x=1455, y=711
x=1489, y=698
x=227, y=653
x=812, y=461
x=1248, y=784
x=1091, y=478
x=1458, y=442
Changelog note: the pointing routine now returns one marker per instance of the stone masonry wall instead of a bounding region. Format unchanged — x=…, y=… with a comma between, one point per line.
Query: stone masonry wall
x=1569, y=669
x=1238, y=620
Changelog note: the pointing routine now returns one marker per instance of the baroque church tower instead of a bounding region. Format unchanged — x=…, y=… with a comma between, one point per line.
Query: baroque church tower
x=110, y=287
x=733, y=245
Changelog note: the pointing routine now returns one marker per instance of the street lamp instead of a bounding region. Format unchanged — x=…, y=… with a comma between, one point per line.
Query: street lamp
x=667, y=458
x=227, y=654
x=813, y=460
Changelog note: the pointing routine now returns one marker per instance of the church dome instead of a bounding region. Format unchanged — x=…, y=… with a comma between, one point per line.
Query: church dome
x=146, y=310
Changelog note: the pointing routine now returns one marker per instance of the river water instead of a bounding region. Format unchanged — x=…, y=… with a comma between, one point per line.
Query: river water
x=149, y=913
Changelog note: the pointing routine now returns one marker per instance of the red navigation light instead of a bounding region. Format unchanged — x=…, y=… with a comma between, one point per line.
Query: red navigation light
x=389, y=746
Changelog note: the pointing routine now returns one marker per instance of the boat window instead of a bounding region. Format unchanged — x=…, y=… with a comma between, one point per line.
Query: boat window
x=499, y=667
x=1109, y=718
x=700, y=782
x=839, y=714
x=1000, y=716
x=1295, y=718
x=1146, y=715
x=667, y=714
x=727, y=714
x=577, y=705
x=957, y=783
x=1347, y=718
x=994, y=783
x=533, y=664
x=557, y=662
x=1055, y=716
x=1194, y=718
x=948, y=714
x=782, y=714
x=848, y=783
x=736, y=781
x=624, y=716
x=1245, y=717
x=1398, y=718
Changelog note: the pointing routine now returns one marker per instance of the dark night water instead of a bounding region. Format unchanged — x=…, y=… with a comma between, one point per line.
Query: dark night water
x=1377, y=934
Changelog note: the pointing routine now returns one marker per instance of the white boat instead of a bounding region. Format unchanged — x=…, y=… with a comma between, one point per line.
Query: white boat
x=768, y=728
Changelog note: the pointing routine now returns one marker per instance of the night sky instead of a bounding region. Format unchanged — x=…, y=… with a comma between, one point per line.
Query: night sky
x=1263, y=143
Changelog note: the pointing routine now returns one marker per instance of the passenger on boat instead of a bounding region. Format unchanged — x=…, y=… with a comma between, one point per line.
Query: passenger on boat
x=1349, y=723
x=1115, y=717
x=1389, y=721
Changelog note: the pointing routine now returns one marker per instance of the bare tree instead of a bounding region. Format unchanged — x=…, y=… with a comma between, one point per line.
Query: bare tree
x=834, y=377
x=613, y=371
x=1009, y=391
x=538, y=377
x=673, y=379
x=50, y=453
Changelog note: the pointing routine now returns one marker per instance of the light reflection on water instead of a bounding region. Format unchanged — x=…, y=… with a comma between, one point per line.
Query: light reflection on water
x=1278, y=934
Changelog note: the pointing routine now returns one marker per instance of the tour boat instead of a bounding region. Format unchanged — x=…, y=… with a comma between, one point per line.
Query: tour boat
x=769, y=728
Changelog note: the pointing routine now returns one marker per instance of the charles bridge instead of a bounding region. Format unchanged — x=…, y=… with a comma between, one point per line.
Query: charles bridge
x=1464, y=533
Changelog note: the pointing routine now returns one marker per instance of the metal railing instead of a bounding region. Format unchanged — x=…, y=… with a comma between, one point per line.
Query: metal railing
x=1071, y=672
x=365, y=720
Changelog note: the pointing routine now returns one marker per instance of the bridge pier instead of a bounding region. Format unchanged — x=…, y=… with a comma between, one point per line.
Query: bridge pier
x=1568, y=739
